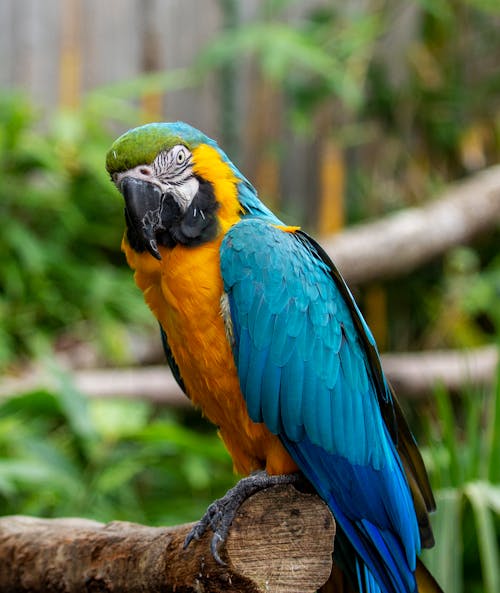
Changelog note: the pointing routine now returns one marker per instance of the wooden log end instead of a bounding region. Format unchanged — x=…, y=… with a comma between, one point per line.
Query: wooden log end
x=281, y=541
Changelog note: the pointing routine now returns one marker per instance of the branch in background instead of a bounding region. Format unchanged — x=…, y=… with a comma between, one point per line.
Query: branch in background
x=281, y=540
x=398, y=243
x=393, y=245
x=412, y=374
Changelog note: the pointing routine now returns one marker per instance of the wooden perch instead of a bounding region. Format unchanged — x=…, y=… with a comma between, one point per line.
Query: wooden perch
x=280, y=541
x=398, y=243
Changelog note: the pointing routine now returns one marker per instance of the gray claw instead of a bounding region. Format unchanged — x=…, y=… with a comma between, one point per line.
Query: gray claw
x=215, y=543
x=220, y=513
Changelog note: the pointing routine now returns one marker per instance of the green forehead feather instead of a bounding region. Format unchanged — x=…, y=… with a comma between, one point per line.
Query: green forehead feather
x=141, y=145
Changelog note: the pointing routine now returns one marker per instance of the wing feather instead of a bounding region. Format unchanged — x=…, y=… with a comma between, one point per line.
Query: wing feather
x=309, y=368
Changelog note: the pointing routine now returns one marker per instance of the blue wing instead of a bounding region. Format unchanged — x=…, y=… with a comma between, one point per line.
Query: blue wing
x=309, y=369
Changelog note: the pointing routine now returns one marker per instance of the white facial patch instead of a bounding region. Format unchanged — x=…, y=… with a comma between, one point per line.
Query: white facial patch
x=183, y=194
x=171, y=171
x=174, y=171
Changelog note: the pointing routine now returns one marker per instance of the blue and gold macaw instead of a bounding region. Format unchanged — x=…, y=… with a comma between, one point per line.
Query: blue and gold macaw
x=262, y=334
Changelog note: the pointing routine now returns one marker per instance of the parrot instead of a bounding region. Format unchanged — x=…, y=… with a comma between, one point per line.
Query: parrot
x=263, y=335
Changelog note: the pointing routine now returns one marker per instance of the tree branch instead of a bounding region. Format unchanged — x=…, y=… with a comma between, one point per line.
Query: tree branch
x=398, y=243
x=281, y=540
x=412, y=374
x=418, y=373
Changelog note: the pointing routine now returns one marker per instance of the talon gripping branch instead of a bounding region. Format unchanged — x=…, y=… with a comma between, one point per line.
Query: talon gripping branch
x=262, y=333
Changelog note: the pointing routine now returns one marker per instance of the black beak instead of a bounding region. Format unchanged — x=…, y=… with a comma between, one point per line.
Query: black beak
x=142, y=211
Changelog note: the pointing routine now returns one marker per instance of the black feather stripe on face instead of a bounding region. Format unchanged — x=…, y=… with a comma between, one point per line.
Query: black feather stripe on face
x=197, y=225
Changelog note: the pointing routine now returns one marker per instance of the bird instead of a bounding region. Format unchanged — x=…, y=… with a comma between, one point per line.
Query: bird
x=263, y=335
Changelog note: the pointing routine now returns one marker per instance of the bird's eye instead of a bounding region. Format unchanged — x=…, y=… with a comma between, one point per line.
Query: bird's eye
x=181, y=157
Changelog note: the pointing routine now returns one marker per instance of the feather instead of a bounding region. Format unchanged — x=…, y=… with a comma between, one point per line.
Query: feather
x=321, y=388
x=253, y=385
x=244, y=361
x=331, y=366
x=296, y=319
x=348, y=489
x=308, y=408
x=279, y=338
x=260, y=322
x=270, y=405
x=291, y=393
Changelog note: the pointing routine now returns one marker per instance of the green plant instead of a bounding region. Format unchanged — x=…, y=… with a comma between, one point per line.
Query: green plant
x=61, y=231
x=322, y=57
x=62, y=222
x=464, y=304
x=61, y=454
x=465, y=470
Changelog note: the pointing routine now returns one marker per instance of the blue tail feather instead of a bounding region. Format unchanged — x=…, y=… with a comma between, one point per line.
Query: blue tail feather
x=368, y=506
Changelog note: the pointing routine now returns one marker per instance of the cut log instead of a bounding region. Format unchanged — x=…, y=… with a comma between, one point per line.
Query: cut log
x=281, y=541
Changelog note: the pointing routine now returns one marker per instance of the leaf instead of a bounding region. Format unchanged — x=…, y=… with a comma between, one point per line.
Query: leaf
x=150, y=83
x=475, y=461
x=178, y=437
x=75, y=406
x=488, y=546
x=489, y=493
x=118, y=419
x=449, y=433
x=117, y=476
x=493, y=432
x=445, y=559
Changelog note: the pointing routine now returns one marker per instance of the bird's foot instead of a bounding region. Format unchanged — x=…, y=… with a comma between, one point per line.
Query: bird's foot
x=221, y=512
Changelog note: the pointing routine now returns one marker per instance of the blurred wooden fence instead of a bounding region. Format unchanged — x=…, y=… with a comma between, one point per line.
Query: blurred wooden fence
x=57, y=50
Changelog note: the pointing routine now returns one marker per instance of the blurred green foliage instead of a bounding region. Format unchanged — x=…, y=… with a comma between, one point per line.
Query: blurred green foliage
x=464, y=305
x=62, y=455
x=61, y=232
x=463, y=460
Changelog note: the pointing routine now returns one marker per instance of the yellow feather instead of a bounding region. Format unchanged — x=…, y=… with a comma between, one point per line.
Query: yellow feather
x=184, y=292
x=209, y=166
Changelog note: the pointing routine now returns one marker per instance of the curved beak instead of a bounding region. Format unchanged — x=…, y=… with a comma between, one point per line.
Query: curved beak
x=142, y=211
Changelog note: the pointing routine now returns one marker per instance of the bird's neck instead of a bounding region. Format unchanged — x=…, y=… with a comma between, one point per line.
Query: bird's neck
x=208, y=165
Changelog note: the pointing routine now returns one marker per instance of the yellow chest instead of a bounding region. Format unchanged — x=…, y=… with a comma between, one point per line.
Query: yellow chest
x=189, y=310
x=184, y=292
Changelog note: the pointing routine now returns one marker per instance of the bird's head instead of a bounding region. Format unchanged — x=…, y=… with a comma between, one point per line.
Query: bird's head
x=179, y=186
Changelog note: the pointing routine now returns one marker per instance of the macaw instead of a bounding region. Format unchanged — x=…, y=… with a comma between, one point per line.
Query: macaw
x=263, y=334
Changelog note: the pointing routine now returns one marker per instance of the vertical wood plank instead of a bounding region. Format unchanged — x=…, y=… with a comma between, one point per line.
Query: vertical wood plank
x=331, y=216
x=186, y=30
x=7, y=28
x=151, y=57
x=111, y=42
x=263, y=133
x=35, y=55
x=70, y=63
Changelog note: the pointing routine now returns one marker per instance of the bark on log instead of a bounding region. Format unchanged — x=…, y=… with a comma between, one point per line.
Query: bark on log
x=398, y=243
x=280, y=541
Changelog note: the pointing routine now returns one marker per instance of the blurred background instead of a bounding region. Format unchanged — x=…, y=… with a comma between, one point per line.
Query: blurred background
x=341, y=113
